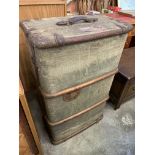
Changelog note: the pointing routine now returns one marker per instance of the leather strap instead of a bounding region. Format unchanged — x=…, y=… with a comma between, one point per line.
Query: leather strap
x=75, y=20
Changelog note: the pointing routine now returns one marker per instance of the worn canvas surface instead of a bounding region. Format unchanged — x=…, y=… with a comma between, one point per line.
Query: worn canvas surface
x=75, y=125
x=57, y=109
x=64, y=67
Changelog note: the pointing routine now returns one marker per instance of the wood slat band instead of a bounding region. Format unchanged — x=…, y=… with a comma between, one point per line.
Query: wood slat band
x=69, y=90
x=78, y=114
x=41, y=2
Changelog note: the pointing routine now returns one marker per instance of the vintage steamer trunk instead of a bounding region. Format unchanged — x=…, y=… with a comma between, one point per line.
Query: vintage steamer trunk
x=75, y=59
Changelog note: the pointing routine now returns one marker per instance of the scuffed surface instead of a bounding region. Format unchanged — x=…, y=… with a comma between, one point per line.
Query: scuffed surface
x=45, y=33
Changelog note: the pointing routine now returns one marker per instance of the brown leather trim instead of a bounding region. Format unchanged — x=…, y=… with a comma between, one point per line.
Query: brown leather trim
x=76, y=115
x=42, y=43
x=69, y=90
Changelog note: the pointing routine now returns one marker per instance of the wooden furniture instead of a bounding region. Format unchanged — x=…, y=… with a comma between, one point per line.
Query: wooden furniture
x=126, y=18
x=27, y=125
x=30, y=9
x=26, y=141
x=23, y=144
x=128, y=13
x=123, y=86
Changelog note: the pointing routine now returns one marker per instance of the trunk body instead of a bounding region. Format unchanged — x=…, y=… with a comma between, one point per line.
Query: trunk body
x=75, y=67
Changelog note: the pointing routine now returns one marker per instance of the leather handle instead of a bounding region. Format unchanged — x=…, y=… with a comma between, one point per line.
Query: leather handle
x=75, y=20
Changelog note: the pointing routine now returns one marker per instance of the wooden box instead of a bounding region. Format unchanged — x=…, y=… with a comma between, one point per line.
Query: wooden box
x=75, y=59
x=123, y=86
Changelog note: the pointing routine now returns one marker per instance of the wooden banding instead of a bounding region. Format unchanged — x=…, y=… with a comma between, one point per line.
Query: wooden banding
x=86, y=84
x=77, y=114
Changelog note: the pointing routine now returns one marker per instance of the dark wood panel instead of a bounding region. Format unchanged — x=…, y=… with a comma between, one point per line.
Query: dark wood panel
x=123, y=86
